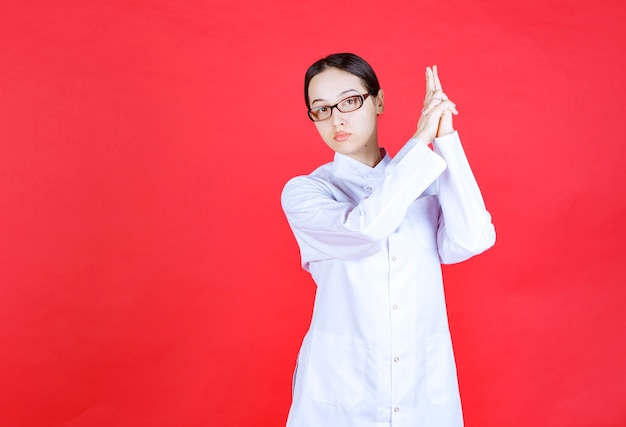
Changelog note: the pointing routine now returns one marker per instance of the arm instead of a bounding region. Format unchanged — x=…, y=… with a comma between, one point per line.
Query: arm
x=465, y=227
x=328, y=227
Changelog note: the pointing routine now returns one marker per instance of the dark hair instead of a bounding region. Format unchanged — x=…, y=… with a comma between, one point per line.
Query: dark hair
x=347, y=62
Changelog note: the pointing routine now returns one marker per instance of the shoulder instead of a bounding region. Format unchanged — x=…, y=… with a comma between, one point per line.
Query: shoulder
x=322, y=176
x=317, y=183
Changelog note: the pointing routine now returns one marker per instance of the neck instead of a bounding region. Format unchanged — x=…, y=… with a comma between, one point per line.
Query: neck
x=369, y=155
x=372, y=155
x=373, y=158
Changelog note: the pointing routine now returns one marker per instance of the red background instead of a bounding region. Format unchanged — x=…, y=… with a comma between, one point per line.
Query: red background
x=148, y=276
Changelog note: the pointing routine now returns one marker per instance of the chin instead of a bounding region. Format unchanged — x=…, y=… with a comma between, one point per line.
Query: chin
x=346, y=147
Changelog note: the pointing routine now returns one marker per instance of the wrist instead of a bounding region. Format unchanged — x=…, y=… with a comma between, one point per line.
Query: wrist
x=421, y=138
x=447, y=137
x=445, y=132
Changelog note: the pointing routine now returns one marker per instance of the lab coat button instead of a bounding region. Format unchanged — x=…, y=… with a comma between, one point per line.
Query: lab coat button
x=393, y=258
x=396, y=359
x=395, y=307
x=368, y=188
x=396, y=409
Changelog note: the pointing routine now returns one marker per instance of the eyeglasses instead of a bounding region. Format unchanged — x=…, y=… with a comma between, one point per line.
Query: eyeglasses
x=346, y=105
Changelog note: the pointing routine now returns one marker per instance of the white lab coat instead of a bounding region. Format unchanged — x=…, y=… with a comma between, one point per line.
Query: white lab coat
x=378, y=351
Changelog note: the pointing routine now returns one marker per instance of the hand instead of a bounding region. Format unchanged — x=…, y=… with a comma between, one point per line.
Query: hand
x=436, y=118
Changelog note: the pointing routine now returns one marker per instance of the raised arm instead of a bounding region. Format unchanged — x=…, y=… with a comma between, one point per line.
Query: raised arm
x=465, y=227
x=327, y=224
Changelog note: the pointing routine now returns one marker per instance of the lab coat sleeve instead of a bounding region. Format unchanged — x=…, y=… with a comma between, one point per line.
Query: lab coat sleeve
x=326, y=227
x=465, y=227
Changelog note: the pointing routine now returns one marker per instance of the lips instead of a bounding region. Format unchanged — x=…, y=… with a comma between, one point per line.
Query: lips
x=341, y=136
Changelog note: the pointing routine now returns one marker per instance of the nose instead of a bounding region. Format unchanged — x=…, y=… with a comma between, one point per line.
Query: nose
x=338, y=118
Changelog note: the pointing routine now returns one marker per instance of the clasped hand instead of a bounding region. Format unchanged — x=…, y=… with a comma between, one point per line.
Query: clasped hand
x=436, y=118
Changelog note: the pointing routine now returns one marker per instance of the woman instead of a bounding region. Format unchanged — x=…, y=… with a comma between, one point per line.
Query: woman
x=373, y=232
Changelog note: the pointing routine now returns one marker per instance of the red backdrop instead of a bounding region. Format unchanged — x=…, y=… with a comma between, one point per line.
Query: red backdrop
x=148, y=276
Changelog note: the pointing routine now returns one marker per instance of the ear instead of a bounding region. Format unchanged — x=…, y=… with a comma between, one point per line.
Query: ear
x=379, y=102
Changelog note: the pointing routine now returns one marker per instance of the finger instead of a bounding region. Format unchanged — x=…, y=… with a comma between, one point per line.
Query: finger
x=434, y=99
x=436, y=80
x=439, y=94
x=429, y=105
x=436, y=95
x=432, y=104
x=430, y=82
x=438, y=109
x=451, y=108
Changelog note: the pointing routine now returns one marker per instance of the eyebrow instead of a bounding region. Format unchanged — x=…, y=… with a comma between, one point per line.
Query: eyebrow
x=342, y=93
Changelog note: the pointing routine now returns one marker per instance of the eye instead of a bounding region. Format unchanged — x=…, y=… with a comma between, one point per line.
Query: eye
x=319, y=110
x=350, y=103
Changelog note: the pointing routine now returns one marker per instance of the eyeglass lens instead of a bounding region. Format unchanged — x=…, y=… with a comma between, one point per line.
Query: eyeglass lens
x=346, y=105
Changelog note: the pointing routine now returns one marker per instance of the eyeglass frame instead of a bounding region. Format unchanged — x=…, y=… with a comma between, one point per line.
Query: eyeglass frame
x=360, y=95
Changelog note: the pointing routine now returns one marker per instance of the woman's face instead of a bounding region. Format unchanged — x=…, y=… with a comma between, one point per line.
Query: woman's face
x=353, y=134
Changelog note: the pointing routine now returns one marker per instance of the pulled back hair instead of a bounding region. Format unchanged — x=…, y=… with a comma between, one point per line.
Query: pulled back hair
x=347, y=62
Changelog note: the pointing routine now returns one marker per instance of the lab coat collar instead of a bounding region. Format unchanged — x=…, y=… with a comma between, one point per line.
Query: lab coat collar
x=347, y=167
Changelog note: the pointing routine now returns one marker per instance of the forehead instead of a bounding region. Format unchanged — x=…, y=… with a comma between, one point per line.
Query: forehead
x=332, y=82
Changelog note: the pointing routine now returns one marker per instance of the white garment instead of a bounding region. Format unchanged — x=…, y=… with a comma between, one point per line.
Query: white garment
x=378, y=350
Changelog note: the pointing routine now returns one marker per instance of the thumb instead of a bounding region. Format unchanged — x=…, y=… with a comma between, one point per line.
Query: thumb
x=445, y=124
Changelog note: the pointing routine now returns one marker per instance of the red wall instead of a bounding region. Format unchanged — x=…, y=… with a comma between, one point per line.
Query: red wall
x=148, y=276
